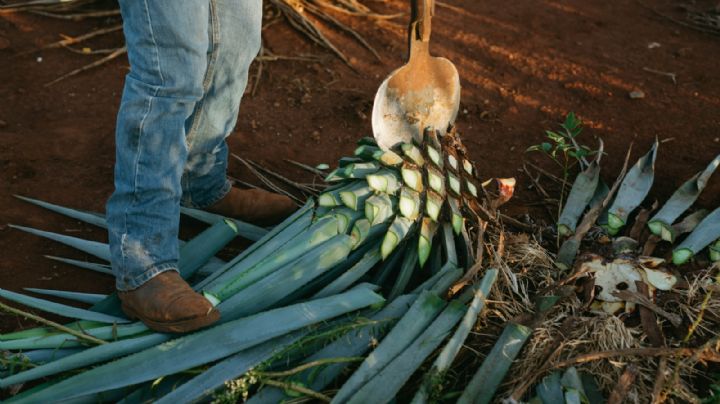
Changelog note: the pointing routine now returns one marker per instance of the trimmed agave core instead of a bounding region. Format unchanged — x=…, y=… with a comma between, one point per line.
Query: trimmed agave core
x=407, y=192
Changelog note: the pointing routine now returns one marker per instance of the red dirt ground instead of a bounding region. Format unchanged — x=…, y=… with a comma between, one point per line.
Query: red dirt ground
x=523, y=65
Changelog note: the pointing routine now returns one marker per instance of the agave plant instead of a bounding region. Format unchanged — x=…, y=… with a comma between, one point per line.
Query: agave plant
x=631, y=262
x=400, y=219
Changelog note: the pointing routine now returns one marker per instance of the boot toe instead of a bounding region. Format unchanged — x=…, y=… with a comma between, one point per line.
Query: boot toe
x=167, y=303
x=189, y=306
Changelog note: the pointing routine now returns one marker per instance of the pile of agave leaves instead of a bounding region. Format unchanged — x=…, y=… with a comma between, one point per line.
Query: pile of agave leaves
x=400, y=281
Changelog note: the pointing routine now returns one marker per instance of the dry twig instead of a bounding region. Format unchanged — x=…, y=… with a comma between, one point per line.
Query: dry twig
x=637, y=298
x=52, y=324
x=115, y=54
x=666, y=74
x=299, y=388
x=79, y=16
x=267, y=181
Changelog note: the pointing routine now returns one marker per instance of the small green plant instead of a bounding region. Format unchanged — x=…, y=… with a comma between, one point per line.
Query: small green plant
x=563, y=148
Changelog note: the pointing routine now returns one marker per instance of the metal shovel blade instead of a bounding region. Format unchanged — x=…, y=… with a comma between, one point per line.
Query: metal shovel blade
x=425, y=92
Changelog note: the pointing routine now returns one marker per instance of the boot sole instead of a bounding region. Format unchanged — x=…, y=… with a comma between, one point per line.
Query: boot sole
x=177, y=327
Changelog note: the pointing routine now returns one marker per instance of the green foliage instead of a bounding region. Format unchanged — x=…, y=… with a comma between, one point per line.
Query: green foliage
x=564, y=149
x=562, y=145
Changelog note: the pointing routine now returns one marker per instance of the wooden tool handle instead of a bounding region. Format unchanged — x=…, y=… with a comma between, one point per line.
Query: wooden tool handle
x=421, y=12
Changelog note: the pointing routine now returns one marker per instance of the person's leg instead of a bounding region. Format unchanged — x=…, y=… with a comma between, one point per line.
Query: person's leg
x=236, y=42
x=168, y=44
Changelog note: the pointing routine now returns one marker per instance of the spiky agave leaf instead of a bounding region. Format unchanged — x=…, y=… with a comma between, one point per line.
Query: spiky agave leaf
x=245, y=275
x=452, y=348
x=468, y=167
x=680, y=201
x=580, y=196
x=108, y=333
x=272, y=242
x=390, y=158
x=93, y=218
x=353, y=344
x=633, y=190
x=399, y=228
x=435, y=179
x=412, y=177
x=101, y=268
x=100, y=250
x=471, y=187
x=410, y=203
x=387, y=201
x=411, y=325
x=380, y=208
x=361, y=170
x=228, y=369
x=352, y=275
x=346, y=218
x=434, y=154
x=384, y=180
x=368, y=152
x=194, y=350
x=413, y=153
x=487, y=379
x=355, y=196
x=271, y=289
x=360, y=231
x=90, y=298
x=388, y=382
x=60, y=309
x=433, y=205
x=454, y=184
x=428, y=227
x=457, y=218
x=410, y=263
x=705, y=233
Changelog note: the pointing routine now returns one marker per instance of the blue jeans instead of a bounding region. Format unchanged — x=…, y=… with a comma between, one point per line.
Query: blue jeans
x=189, y=62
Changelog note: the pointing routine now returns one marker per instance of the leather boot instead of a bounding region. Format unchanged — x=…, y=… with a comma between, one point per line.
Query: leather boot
x=166, y=303
x=254, y=206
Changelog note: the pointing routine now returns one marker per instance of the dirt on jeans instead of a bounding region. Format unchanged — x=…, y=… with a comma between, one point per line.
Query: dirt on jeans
x=523, y=65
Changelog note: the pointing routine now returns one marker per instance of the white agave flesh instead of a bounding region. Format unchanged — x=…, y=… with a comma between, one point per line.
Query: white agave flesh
x=377, y=183
x=435, y=156
x=452, y=161
x=612, y=276
x=435, y=181
x=467, y=166
x=650, y=262
x=659, y=279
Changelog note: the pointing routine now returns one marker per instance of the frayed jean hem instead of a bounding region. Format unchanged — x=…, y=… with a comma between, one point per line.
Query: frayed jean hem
x=126, y=283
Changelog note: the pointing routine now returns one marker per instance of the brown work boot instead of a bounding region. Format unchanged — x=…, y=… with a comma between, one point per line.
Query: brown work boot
x=166, y=303
x=254, y=206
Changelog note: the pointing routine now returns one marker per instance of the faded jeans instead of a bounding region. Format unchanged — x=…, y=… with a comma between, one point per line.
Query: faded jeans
x=189, y=62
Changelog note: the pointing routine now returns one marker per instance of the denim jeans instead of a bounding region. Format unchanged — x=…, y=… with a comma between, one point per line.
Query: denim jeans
x=189, y=62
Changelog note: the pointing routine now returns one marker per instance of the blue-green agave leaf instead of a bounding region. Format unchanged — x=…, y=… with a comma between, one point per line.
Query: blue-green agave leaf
x=205, y=346
x=581, y=194
x=60, y=309
x=680, y=201
x=100, y=250
x=633, y=190
x=705, y=233
x=92, y=218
